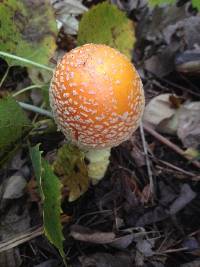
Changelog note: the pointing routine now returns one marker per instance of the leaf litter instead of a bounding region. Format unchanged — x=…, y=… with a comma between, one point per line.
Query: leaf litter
x=116, y=223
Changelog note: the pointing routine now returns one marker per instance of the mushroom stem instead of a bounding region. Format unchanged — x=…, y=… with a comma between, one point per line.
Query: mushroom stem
x=98, y=163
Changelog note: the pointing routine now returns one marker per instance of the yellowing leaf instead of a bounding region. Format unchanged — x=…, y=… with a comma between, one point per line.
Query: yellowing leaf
x=27, y=29
x=106, y=24
x=71, y=166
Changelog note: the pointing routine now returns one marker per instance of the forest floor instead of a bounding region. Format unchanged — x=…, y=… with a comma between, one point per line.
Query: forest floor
x=146, y=210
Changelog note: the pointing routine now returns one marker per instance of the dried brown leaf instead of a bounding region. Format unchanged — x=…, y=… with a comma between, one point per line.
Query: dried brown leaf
x=85, y=234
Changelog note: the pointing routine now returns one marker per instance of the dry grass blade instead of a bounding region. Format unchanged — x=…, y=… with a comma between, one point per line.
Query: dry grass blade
x=26, y=236
x=21, y=238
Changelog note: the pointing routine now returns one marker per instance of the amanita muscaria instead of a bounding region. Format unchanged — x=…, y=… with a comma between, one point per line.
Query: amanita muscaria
x=97, y=101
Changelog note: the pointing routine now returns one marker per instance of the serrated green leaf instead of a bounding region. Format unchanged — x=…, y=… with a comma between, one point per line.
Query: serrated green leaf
x=50, y=190
x=71, y=166
x=112, y=28
x=13, y=122
x=27, y=29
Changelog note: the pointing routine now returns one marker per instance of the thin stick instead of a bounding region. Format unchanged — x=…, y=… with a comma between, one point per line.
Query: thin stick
x=27, y=61
x=4, y=76
x=168, y=143
x=26, y=89
x=171, y=251
x=27, y=235
x=147, y=159
x=176, y=168
x=36, y=109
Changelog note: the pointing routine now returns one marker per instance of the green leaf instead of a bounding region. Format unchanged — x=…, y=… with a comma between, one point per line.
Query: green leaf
x=161, y=2
x=50, y=190
x=112, y=28
x=13, y=122
x=27, y=29
x=196, y=4
x=71, y=166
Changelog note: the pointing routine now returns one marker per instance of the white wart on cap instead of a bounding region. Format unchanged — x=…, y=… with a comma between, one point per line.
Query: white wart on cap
x=96, y=96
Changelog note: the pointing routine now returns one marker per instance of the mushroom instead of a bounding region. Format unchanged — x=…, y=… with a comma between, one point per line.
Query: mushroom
x=97, y=100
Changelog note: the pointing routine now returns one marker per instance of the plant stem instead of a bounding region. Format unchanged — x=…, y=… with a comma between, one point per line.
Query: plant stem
x=26, y=89
x=4, y=76
x=36, y=109
x=27, y=61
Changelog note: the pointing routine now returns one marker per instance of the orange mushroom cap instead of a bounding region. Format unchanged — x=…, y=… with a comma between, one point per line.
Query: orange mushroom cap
x=96, y=96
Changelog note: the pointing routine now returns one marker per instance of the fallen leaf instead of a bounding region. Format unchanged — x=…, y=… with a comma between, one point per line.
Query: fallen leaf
x=192, y=245
x=187, y=28
x=167, y=115
x=17, y=161
x=122, y=242
x=70, y=165
x=11, y=258
x=185, y=197
x=14, y=220
x=195, y=263
x=66, y=12
x=48, y=263
x=146, y=194
x=106, y=260
x=160, y=110
x=85, y=234
x=162, y=59
x=14, y=187
x=189, y=124
x=145, y=247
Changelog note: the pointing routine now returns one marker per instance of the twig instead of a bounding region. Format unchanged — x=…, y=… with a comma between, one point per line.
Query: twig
x=151, y=185
x=172, y=251
x=168, y=143
x=176, y=168
x=36, y=109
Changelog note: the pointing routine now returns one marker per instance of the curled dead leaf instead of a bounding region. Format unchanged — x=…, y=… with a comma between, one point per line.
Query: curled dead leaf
x=159, y=112
x=189, y=124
